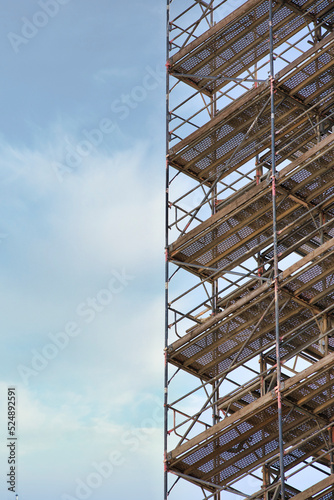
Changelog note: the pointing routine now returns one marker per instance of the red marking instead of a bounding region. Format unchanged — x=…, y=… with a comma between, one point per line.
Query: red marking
x=279, y=404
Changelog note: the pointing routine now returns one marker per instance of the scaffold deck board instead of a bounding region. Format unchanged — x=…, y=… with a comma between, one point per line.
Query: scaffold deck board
x=240, y=40
x=242, y=227
x=242, y=130
x=249, y=324
x=246, y=326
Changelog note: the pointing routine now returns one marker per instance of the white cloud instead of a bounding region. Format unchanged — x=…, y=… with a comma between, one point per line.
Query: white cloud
x=55, y=427
x=63, y=240
x=107, y=213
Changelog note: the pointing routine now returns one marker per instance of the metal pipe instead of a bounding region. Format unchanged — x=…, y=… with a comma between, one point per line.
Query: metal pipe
x=225, y=78
x=166, y=260
x=276, y=270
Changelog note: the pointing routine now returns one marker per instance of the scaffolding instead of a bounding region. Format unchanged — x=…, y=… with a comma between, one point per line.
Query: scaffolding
x=249, y=325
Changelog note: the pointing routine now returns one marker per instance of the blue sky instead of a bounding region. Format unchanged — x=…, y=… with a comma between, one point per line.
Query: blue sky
x=81, y=243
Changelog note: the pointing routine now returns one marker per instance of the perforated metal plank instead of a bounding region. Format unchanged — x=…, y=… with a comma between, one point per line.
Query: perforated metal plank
x=246, y=327
x=228, y=141
x=240, y=40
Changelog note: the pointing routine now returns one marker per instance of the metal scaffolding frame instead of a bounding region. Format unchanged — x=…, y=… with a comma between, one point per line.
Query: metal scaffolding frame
x=249, y=324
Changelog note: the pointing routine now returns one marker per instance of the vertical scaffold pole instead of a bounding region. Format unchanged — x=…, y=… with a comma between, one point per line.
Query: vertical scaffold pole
x=273, y=179
x=213, y=112
x=166, y=261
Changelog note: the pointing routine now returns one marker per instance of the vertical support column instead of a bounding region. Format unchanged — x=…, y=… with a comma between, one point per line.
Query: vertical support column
x=166, y=261
x=265, y=472
x=273, y=179
x=215, y=411
x=259, y=173
x=323, y=342
x=213, y=111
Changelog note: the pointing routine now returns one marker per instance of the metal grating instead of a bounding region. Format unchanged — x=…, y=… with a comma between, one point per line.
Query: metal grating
x=242, y=130
x=239, y=41
x=247, y=326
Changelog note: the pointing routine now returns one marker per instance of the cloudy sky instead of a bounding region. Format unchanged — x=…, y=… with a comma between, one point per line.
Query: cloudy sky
x=81, y=245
